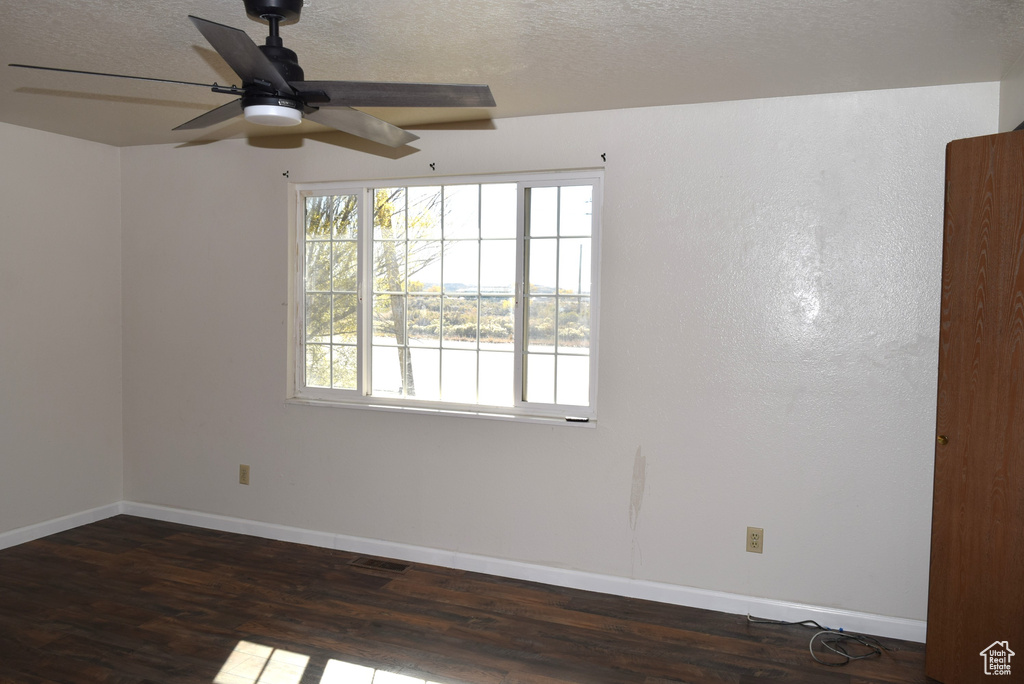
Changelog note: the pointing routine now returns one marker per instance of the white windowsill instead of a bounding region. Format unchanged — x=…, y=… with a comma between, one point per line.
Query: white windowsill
x=493, y=414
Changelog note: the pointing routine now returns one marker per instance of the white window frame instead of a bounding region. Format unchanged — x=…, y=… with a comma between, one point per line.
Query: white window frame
x=298, y=393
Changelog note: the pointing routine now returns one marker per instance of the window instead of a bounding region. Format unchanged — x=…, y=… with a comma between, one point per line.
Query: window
x=473, y=295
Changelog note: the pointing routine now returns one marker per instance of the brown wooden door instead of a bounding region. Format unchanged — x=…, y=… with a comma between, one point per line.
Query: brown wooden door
x=976, y=591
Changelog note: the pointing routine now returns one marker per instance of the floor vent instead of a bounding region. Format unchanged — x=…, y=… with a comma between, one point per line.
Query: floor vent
x=378, y=564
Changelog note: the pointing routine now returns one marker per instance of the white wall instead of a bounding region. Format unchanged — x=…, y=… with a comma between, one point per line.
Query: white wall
x=1011, y=97
x=770, y=304
x=60, y=326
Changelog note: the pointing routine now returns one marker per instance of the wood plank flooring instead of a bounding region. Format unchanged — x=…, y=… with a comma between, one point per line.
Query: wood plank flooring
x=131, y=600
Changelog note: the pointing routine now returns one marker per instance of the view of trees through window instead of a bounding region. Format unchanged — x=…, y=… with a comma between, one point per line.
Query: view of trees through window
x=331, y=284
x=442, y=293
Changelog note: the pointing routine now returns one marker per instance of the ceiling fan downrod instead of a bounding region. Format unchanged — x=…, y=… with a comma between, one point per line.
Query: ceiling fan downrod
x=275, y=35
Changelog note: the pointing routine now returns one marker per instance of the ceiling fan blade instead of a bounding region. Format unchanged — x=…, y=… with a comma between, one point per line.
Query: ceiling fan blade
x=214, y=116
x=363, y=125
x=241, y=54
x=374, y=94
x=100, y=73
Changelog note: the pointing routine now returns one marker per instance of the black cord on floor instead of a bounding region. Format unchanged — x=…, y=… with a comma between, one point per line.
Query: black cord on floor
x=835, y=641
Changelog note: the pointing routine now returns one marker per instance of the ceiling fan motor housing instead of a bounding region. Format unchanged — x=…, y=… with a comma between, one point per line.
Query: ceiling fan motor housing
x=284, y=60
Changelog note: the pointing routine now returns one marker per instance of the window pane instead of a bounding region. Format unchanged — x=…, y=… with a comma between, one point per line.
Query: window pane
x=575, y=210
x=318, y=317
x=424, y=318
x=344, y=217
x=496, y=378
x=388, y=319
x=543, y=218
x=498, y=266
x=461, y=266
x=542, y=266
x=425, y=213
x=458, y=376
x=424, y=257
x=498, y=210
x=318, y=365
x=574, y=380
x=344, y=365
x=318, y=218
x=424, y=375
x=461, y=211
x=343, y=270
x=574, y=325
x=460, y=321
x=345, y=319
x=574, y=266
x=318, y=266
x=497, y=322
x=540, y=324
x=389, y=213
x=540, y=378
x=389, y=266
x=387, y=371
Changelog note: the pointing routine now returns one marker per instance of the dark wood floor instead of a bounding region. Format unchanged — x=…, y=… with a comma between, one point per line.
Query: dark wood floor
x=135, y=600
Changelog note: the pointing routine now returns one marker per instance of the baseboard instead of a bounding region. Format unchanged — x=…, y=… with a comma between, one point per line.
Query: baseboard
x=850, y=621
x=48, y=527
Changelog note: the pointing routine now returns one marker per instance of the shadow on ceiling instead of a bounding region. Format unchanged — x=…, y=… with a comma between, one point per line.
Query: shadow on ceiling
x=124, y=99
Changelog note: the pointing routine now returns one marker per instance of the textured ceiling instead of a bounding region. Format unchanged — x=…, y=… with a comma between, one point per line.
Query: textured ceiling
x=538, y=56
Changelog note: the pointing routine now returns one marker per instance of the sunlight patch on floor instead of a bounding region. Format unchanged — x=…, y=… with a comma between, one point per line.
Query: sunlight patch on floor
x=340, y=672
x=253, y=663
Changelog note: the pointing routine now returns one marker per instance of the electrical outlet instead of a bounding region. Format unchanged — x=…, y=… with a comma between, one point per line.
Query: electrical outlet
x=243, y=474
x=755, y=539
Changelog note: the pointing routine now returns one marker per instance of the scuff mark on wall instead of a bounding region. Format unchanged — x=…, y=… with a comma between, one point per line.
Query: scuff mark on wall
x=636, y=497
x=636, y=502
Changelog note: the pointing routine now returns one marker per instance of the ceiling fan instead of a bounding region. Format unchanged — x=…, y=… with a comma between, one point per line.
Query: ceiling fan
x=274, y=92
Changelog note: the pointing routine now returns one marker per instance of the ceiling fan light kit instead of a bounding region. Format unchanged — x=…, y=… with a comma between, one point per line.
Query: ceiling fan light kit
x=272, y=115
x=274, y=91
